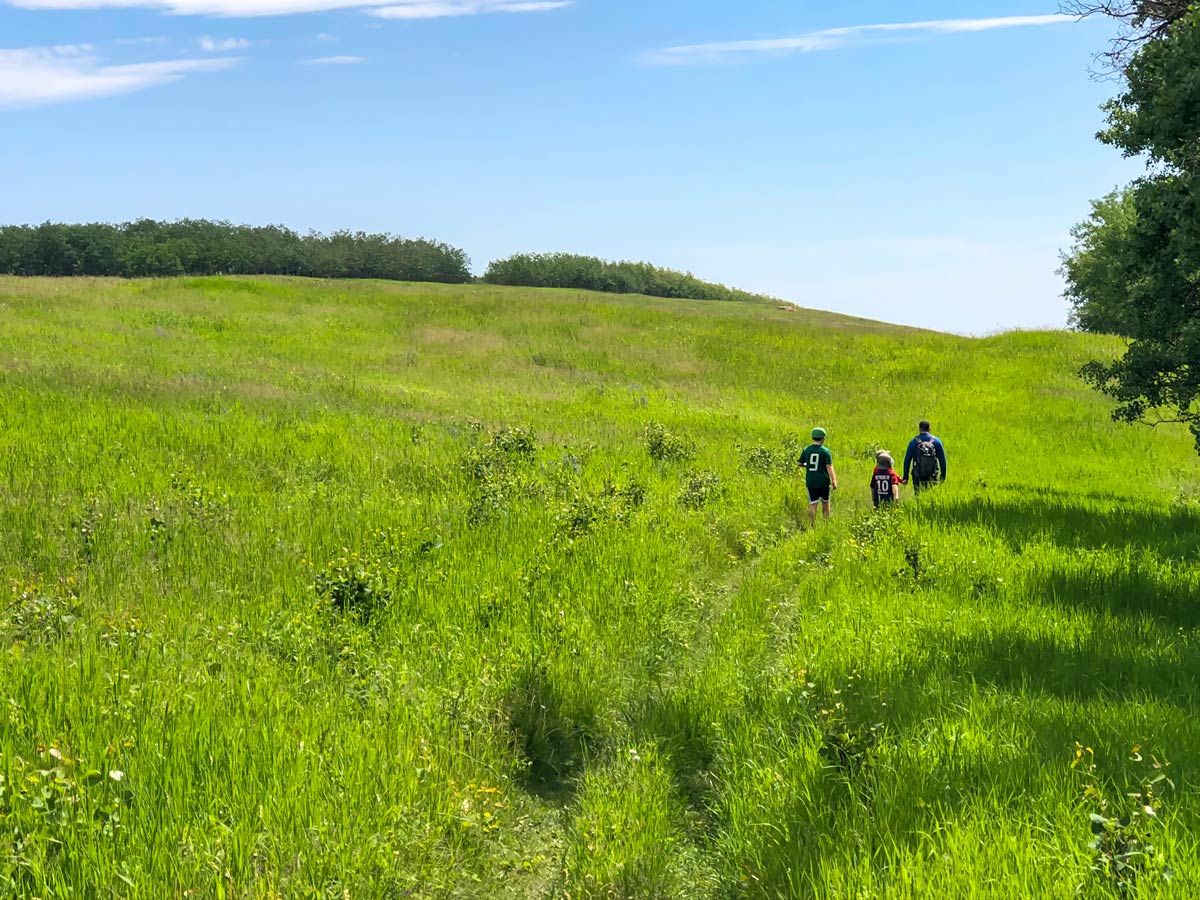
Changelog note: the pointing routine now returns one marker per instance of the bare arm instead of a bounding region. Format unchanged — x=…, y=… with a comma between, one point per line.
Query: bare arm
x=832, y=476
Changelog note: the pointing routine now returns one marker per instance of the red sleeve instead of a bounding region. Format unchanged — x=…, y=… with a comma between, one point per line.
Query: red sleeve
x=895, y=478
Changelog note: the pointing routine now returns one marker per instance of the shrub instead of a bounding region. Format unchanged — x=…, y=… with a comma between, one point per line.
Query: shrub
x=700, y=489
x=666, y=446
x=568, y=270
x=492, y=468
x=354, y=584
x=41, y=616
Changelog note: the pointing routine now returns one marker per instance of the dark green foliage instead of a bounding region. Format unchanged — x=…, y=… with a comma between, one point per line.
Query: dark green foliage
x=492, y=468
x=615, y=504
x=86, y=526
x=781, y=460
x=1135, y=268
x=46, y=804
x=40, y=616
x=874, y=525
x=568, y=270
x=915, y=566
x=851, y=735
x=666, y=446
x=147, y=248
x=1121, y=844
x=200, y=501
x=1096, y=270
x=700, y=489
x=355, y=584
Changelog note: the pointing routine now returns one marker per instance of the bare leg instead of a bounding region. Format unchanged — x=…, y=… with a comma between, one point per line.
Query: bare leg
x=812, y=514
x=825, y=509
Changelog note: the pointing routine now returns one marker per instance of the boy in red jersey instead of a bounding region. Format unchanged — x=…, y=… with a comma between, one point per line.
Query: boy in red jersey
x=885, y=483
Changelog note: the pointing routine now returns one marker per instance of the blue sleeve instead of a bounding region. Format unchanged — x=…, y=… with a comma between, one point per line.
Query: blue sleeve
x=941, y=452
x=908, y=457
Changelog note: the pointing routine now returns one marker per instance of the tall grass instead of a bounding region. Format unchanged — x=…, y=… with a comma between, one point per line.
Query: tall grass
x=377, y=591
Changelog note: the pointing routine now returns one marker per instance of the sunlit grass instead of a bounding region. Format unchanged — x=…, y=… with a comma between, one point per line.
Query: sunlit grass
x=318, y=590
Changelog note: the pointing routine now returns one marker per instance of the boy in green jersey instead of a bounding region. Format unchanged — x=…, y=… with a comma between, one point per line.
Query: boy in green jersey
x=819, y=476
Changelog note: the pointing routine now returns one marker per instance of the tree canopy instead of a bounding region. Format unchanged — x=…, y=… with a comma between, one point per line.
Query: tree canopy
x=198, y=247
x=1135, y=267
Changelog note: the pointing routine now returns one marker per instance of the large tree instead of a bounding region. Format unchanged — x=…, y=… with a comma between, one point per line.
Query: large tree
x=1135, y=267
x=1141, y=21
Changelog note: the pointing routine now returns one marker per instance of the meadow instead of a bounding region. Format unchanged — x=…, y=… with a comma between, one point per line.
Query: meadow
x=329, y=590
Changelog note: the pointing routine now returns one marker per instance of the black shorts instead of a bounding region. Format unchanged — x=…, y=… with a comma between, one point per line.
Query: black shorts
x=818, y=495
x=886, y=500
x=920, y=484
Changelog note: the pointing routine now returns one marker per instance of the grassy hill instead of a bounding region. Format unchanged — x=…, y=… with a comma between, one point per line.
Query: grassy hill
x=356, y=590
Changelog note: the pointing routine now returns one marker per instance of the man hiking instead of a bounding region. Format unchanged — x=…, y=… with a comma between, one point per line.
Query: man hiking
x=925, y=459
x=819, y=476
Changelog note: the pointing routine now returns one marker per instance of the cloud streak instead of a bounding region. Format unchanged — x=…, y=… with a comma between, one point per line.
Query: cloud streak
x=42, y=76
x=335, y=61
x=439, y=9
x=386, y=9
x=837, y=38
x=216, y=45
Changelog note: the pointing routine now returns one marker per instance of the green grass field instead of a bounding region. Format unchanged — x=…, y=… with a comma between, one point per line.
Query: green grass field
x=354, y=590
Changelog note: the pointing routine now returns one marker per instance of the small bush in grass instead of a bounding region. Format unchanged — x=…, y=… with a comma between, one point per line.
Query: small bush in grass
x=760, y=460
x=354, y=584
x=872, y=527
x=780, y=460
x=86, y=525
x=615, y=504
x=49, y=804
x=851, y=733
x=1123, y=829
x=493, y=469
x=40, y=615
x=666, y=446
x=700, y=489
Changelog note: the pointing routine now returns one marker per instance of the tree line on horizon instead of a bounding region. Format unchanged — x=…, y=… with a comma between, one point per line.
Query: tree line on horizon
x=147, y=248
x=151, y=249
x=570, y=270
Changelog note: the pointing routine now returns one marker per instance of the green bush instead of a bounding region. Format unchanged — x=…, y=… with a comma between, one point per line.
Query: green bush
x=568, y=270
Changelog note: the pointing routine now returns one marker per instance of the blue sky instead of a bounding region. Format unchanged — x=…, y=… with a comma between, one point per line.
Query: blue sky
x=926, y=174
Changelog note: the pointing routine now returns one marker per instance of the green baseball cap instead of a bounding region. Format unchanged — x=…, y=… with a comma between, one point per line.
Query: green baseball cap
x=818, y=434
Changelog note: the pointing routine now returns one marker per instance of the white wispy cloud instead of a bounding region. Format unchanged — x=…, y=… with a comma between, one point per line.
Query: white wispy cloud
x=325, y=37
x=335, y=61
x=222, y=45
x=388, y=9
x=439, y=9
x=40, y=76
x=141, y=41
x=836, y=38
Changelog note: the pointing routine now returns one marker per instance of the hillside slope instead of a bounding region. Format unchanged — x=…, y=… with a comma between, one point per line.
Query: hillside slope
x=376, y=591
